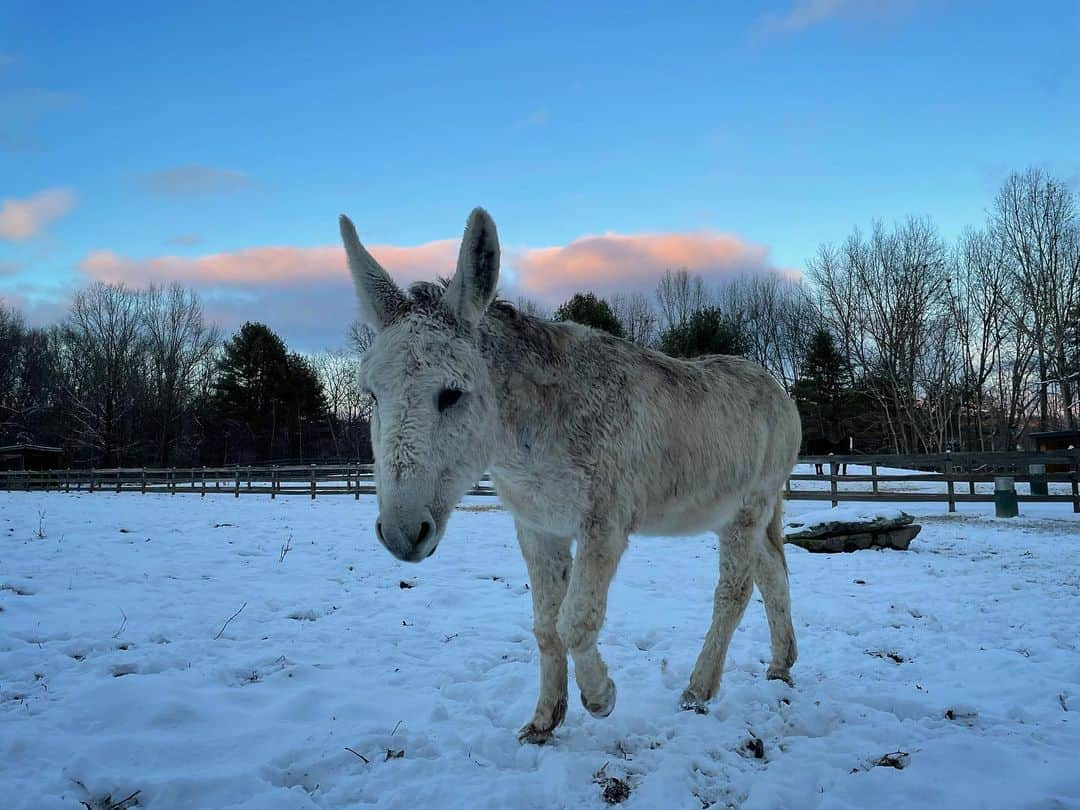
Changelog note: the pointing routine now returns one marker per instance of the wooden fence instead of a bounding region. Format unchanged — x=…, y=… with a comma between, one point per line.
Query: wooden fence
x=950, y=478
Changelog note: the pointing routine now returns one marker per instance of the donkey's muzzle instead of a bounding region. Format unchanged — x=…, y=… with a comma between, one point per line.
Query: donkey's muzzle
x=406, y=540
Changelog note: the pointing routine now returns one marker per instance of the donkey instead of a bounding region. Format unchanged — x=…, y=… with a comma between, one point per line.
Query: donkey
x=586, y=437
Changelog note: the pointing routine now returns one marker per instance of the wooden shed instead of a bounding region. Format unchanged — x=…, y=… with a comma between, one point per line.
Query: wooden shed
x=30, y=457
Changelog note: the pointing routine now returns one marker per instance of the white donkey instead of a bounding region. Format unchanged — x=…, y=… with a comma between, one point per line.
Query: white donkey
x=587, y=437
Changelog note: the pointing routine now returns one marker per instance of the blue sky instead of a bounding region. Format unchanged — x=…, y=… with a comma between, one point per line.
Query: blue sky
x=136, y=141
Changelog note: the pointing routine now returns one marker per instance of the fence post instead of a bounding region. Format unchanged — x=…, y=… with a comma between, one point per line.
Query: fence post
x=91, y=479
x=950, y=485
x=249, y=477
x=1005, y=504
x=273, y=482
x=971, y=477
x=236, y=491
x=356, y=492
x=833, y=470
x=203, y=489
x=874, y=483
x=142, y=488
x=117, y=479
x=1076, y=488
x=312, y=482
x=1038, y=485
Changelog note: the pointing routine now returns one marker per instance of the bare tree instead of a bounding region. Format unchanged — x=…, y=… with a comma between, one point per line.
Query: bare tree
x=678, y=296
x=349, y=407
x=179, y=344
x=529, y=306
x=104, y=358
x=637, y=317
x=1035, y=216
x=882, y=294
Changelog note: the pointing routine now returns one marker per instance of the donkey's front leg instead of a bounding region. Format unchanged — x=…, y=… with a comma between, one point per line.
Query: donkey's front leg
x=582, y=616
x=548, y=559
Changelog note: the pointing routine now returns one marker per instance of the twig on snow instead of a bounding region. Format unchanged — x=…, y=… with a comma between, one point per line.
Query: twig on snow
x=366, y=760
x=123, y=624
x=222, y=630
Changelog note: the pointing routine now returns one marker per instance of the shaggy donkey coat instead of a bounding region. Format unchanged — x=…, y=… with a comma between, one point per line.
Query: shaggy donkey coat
x=586, y=437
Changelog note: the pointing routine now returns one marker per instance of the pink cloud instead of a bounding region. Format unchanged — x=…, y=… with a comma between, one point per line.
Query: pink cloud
x=619, y=263
x=268, y=265
x=21, y=219
x=306, y=292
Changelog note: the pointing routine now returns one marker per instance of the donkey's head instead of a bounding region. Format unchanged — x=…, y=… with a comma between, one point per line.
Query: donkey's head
x=434, y=401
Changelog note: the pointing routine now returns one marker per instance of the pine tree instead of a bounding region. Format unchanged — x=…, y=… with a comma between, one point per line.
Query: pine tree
x=821, y=396
x=587, y=309
x=271, y=402
x=706, y=331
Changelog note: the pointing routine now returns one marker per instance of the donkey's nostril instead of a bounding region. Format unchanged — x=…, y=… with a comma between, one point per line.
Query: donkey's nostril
x=425, y=532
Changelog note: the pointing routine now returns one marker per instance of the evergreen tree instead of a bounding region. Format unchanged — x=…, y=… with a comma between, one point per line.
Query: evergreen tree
x=587, y=309
x=706, y=331
x=821, y=396
x=271, y=402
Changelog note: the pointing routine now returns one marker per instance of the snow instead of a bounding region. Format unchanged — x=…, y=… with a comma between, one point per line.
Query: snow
x=164, y=645
x=855, y=512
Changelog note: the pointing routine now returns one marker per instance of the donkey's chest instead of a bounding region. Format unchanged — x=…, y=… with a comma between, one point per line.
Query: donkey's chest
x=551, y=500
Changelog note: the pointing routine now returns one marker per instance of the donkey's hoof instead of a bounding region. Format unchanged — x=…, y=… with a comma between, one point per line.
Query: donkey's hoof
x=531, y=735
x=778, y=674
x=605, y=706
x=692, y=703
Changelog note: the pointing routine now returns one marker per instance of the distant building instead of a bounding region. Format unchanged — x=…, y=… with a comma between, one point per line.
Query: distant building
x=30, y=457
x=1047, y=441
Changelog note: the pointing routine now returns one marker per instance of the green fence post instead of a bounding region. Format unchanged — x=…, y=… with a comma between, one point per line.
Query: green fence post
x=1038, y=485
x=1005, y=505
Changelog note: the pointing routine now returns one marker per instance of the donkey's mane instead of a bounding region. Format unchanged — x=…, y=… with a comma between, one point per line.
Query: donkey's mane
x=427, y=295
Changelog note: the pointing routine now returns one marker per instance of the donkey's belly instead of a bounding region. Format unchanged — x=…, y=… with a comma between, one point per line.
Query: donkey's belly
x=687, y=516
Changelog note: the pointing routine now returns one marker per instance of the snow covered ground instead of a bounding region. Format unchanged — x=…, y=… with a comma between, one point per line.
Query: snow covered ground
x=349, y=679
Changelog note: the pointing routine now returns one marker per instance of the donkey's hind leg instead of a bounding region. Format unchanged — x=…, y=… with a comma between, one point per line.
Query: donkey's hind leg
x=729, y=601
x=771, y=577
x=548, y=559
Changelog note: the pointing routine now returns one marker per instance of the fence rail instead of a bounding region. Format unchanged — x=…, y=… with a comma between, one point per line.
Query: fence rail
x=948, y=473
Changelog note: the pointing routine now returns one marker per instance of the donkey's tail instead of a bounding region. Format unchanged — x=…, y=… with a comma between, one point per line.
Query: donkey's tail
x=774, y=534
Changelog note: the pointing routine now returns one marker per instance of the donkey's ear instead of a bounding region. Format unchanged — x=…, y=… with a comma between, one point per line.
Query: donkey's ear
x=381, y=302
x=474, y=282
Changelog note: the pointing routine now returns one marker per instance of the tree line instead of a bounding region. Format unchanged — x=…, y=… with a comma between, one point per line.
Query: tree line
x=141, y=377
x=895, y=340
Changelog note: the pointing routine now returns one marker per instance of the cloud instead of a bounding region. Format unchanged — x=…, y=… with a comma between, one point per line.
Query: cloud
x=184, y=240
x=307, y=295
x=21, y=219
x=804, y=14
x=304, y=293
x=9, y=268
x=620, y=263
x=193, y=180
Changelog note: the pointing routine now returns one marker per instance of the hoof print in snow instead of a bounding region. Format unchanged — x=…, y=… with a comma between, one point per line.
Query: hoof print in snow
x=892, y=656
x=966, y=716
x=405, y=584
x=107, y=803
x=18, y=590
x=613, y=790
x=123, y=669
x=896, y=759
x=392, y=754
x=755, y=746
x=304, y=615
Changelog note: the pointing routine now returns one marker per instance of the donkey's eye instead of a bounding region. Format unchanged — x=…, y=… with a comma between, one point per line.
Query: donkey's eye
x=448, y=397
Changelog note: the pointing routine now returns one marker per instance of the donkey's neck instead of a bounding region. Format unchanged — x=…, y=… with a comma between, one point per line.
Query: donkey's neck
x=525, y=356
